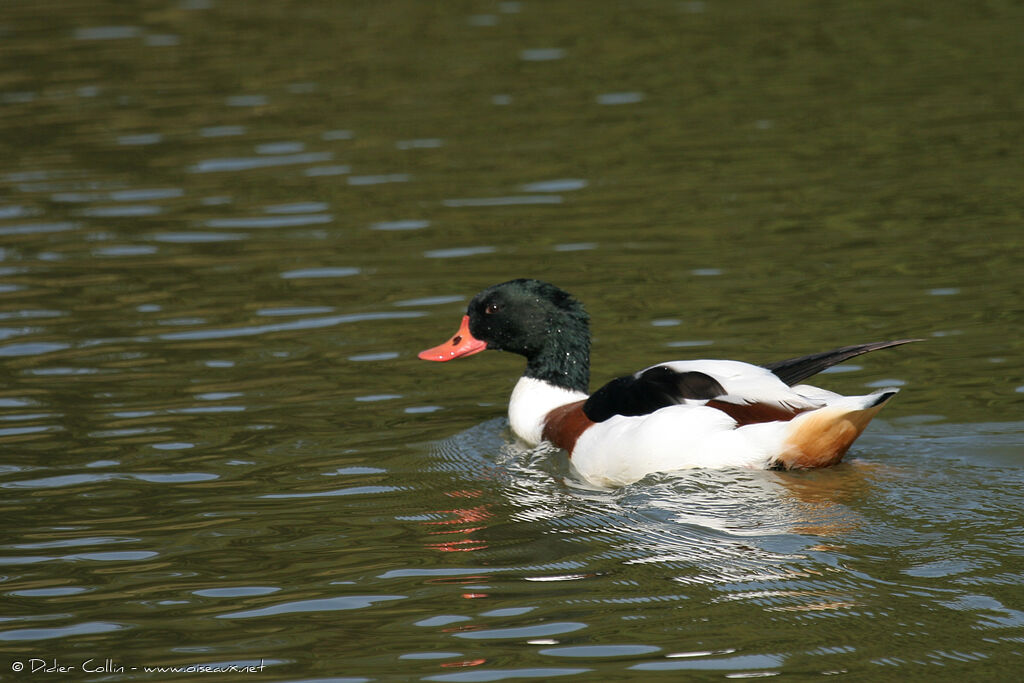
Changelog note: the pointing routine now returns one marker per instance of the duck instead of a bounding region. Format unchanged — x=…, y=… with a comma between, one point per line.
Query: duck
x=675, y=415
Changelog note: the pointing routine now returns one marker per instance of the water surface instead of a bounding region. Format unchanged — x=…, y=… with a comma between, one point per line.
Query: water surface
x=226, y=229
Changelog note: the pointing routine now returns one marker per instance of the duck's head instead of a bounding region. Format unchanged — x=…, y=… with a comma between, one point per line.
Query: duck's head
x=531, y=318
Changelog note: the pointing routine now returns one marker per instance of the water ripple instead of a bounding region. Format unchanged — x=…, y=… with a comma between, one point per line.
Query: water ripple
x=198, y=237
x=84, y=628
x=379, y=179
x=542, y=54
x=401, y=225
x=459, y=252
x=32, y=348
x=251, y=163
x=743, y=663
x=559, y=185
x=514, y=200
x=349, y=491
x=260, y=222
x=485, y=675
x=316, y=605
x=37, y=228
x=588, y=651
x=522, y=632
x=60, y=481
x=320, y=272
x=303, y=324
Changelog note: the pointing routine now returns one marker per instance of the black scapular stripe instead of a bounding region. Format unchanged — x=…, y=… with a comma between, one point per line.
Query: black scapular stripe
x=655, y=388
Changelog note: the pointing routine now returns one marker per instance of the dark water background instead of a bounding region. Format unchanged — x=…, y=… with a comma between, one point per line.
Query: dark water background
x=227, y=227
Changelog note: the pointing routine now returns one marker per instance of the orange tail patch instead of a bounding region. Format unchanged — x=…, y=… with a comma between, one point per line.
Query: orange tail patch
x=822, y=437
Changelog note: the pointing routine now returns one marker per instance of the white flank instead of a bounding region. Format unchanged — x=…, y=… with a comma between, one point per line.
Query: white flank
x=622, y=449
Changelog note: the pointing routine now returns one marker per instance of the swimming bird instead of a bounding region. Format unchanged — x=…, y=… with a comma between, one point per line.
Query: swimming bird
x=675, y=415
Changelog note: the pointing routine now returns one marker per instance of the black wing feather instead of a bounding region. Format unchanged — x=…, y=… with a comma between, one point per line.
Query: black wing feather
x=794, y=370
x=654, y=388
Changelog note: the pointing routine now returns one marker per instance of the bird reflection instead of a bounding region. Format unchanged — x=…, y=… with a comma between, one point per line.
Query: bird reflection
x=748, y=533
x=461, y=523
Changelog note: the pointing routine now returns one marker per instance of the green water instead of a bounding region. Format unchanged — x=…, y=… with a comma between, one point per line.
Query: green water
x=226, y=228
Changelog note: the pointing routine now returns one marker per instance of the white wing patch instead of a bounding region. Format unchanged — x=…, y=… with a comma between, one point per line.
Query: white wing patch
x=745, y=383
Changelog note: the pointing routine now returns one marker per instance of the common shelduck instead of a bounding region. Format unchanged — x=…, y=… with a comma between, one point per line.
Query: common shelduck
x=671, y=416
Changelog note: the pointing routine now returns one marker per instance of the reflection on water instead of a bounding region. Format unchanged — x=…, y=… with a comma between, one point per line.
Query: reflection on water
x=778, y=542
x=225, y=229
x=703, y=521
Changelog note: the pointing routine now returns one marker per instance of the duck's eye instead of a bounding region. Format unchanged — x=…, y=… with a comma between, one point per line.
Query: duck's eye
x=492, y=309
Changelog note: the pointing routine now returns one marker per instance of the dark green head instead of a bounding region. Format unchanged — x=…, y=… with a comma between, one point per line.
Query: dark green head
x=539, y=321
x=533, y=319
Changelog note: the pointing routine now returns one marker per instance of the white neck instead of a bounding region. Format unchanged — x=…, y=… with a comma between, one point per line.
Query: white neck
x=531, y=401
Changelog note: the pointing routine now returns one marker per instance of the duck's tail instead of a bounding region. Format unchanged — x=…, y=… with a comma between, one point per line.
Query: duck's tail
x=821, y=437
x=793, y=370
